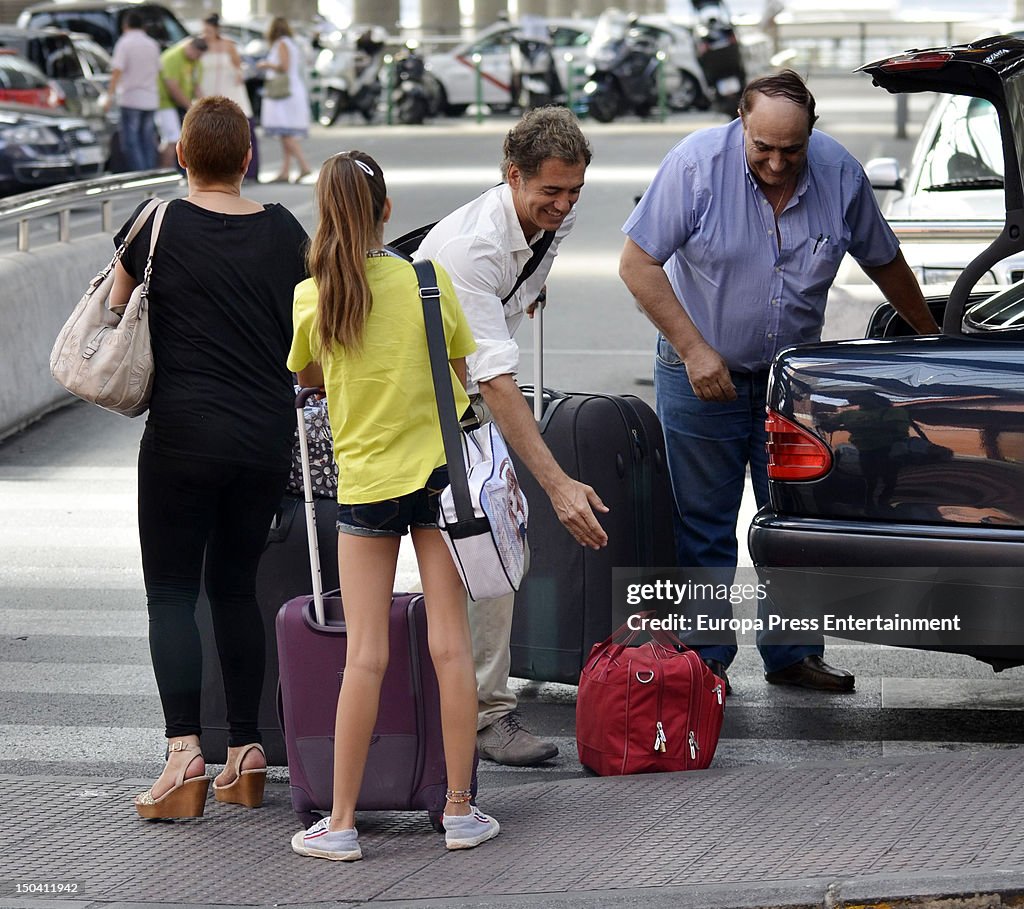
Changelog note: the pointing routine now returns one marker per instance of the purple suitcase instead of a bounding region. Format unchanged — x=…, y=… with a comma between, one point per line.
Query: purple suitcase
x=405, y=768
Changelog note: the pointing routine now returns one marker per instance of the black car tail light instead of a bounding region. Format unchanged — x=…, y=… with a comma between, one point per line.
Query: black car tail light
x=910, y=62
x=793, y=452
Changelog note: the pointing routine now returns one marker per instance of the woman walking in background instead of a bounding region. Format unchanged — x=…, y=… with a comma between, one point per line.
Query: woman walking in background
x=286, y=116
x=217, y=446
x=359, y=334
x=222, y=75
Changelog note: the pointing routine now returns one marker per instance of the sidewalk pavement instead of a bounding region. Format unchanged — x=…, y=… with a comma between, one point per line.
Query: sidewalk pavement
x=906, y=831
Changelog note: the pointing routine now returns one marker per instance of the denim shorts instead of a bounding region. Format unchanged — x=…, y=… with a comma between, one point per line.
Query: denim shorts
x=394, y=517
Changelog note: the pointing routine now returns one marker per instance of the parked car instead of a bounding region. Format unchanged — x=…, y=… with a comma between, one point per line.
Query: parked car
x=896, y=464
x=69, y=69
x=454, y=72
x=23, y=83
x=955, y=174
x=101, y=19
x=44, y=147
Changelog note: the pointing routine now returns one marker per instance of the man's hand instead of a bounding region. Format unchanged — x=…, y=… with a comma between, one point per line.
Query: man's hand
x=541, y=301
x=575, y=504
x=709, y=376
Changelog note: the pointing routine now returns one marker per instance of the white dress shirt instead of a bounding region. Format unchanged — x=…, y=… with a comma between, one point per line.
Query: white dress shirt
x=484, y=250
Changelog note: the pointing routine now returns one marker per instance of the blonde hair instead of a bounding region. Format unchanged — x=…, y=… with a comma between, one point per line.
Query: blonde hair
x=350, y=195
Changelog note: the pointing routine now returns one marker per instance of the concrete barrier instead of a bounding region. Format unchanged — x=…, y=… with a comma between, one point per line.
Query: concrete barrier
x=40, y=288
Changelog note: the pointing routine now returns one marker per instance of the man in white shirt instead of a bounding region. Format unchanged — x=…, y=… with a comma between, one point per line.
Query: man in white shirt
x=136, y=69
x=485, y=246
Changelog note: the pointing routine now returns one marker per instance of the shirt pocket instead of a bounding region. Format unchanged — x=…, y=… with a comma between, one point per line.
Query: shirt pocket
x=823, y=259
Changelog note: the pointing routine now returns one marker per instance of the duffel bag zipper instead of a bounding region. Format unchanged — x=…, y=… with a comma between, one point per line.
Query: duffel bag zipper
x=660, y=739
x=691, y=739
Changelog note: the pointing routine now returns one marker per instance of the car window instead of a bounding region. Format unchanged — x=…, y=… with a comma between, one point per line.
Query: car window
x=1001, y=311
x=492, y=43
x=161, y=26
x=17, y=73
x=568, y=37
x=59, y=60
x=966, y=151
x=95, y=57
x=95, y=24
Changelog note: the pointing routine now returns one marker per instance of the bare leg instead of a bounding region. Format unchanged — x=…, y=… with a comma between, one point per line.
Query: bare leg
x=286, y=160
x=451, y=649
x=293, y=147
x=367, y=569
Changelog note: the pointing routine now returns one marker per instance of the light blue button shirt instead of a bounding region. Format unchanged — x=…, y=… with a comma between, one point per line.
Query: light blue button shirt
x=749, y=293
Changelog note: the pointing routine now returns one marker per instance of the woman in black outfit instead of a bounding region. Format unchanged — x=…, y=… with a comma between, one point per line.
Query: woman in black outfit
x=217, y=446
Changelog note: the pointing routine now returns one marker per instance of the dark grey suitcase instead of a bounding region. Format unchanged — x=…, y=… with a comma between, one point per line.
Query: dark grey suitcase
x=565, y=604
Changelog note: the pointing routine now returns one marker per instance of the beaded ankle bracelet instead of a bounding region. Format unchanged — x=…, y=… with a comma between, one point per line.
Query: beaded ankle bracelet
x=457, y=796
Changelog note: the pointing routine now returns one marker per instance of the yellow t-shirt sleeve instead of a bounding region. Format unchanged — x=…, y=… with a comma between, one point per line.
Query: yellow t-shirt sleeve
x=303, y=325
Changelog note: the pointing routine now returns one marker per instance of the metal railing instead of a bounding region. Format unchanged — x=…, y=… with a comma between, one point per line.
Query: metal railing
x=965, y=231
x=60, y=201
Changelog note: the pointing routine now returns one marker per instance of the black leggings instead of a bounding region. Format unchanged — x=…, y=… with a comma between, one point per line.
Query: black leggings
x=186, y=507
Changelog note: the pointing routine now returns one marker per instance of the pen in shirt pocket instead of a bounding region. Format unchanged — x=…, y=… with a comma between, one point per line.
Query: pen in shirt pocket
x=821, y=241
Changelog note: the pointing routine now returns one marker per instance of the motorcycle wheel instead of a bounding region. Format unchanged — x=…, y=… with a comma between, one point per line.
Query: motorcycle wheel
x=333, y=103
x=605, y=103
x=688, y=96
x=412, y=111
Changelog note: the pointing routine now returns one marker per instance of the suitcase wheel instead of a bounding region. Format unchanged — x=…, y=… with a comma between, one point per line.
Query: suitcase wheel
x=436, y=820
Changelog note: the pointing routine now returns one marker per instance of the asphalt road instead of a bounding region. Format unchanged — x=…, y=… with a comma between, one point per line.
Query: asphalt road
x=76, y=688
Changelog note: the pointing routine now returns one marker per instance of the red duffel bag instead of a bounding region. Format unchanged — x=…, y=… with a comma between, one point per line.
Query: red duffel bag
x=647, y=709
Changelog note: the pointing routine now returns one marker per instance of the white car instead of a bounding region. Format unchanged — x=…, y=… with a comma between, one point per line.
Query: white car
x=954, y=184
x=455, y=70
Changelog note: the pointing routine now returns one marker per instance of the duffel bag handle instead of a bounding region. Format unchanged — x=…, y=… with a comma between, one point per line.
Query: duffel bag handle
x=623, y=636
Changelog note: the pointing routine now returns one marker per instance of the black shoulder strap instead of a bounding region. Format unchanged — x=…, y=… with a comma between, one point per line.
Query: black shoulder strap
x=541, y=247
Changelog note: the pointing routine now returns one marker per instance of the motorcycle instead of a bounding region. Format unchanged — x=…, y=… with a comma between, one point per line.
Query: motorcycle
x=409, y=92
x=349, y=78
x=535, y=81
x=719, y=54
x=622, y=73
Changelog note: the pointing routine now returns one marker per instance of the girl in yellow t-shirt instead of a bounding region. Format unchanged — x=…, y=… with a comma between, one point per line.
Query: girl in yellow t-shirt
x=359, y=334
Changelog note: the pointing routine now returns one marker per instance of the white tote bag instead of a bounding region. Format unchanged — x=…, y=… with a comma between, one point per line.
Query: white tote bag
x=492, y=558
x=105, y=357
x=483, y=512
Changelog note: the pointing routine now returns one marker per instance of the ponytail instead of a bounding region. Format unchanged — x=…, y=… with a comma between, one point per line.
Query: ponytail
x=351, y=194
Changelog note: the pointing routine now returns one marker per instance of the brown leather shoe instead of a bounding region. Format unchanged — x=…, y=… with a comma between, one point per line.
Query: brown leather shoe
x=812, y=672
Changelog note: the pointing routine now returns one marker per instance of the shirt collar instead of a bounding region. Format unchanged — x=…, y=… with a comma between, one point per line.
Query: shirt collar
x=520, y=242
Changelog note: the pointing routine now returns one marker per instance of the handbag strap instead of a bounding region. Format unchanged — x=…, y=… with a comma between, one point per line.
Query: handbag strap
x=430, y=295
x=133, y=232
x=158, y=220
x=541, y=247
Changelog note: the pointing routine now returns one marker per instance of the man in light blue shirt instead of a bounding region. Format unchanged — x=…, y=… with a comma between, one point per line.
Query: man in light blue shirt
x=731, y=253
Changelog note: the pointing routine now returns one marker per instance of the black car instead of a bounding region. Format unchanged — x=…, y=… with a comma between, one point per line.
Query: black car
x=896, y=464
x=42, y=148
x=101, y=20
x=59, y=57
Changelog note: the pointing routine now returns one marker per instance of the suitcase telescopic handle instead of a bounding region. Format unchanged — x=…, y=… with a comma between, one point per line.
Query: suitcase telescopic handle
x=307, y=497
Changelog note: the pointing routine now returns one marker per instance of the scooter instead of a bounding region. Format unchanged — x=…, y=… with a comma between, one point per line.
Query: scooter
x=622, y=73
x=535, y=81
x=719, y=54
x=410, y=97
x=349, y=79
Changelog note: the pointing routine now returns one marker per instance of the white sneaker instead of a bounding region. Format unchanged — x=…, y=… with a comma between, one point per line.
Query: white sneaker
x=467, y=831
x=321, y=842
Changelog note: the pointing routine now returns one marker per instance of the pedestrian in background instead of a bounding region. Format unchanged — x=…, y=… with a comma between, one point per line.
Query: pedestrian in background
x=222, y=75
x=359, y=334
x=484, y=246
x=180, y=72
x=134, y=80
x=286, y=117
x=216, y=451
x=731, y=253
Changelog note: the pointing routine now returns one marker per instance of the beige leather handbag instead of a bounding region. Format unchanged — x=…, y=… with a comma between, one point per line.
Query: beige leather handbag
x=103, y=356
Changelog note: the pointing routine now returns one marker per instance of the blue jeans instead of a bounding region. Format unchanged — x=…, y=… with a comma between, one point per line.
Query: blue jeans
x=709, y=445
x=138, y=138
